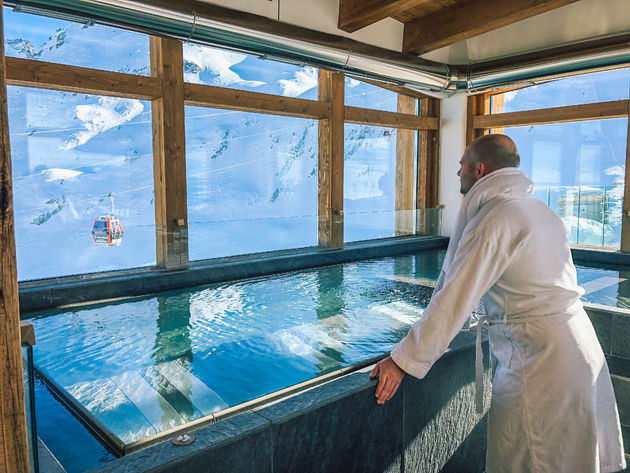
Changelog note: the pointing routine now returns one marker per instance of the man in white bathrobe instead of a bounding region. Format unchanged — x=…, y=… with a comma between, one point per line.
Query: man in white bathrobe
x=553, y=407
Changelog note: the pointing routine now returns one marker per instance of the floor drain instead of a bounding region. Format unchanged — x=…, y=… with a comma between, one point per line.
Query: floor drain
x=183, y=439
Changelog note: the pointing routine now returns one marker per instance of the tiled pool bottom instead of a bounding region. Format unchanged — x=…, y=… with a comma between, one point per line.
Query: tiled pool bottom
x=177, y=356
x=139, y=367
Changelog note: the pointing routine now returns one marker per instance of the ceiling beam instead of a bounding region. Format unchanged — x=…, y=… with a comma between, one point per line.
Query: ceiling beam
x=470, y=18
x=357, y=14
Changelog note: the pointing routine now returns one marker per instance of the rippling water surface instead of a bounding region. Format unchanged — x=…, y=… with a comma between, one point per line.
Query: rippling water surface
x=145, y=365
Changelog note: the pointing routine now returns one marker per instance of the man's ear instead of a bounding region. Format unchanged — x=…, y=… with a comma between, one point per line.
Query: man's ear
x=481, y=169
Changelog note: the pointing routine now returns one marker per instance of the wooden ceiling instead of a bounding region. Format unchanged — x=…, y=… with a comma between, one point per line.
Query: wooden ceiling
x=433, y=24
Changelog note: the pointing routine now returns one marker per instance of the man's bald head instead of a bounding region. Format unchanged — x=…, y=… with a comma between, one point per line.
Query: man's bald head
x=485, y=155
x=495, y=152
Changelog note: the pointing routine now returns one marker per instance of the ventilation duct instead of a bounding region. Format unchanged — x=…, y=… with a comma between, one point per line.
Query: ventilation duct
x=192, y=20
x=539, y=67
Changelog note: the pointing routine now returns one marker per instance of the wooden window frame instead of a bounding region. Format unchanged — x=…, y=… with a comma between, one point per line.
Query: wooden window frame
x=480, y=121
x=14, y=453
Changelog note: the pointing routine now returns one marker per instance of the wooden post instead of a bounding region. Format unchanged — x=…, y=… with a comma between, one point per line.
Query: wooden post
x=427, y=187
x=405, y=154
x=169, y=155
x=330, y=173
x=625, y=217
x=498, y=105
x=477, y=105
x=14, y=456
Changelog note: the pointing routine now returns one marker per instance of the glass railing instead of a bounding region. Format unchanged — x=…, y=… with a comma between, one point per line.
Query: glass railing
x=239, y=236
x=591, y=214
x=429, y=221
x=27, y=335
x=376, y=224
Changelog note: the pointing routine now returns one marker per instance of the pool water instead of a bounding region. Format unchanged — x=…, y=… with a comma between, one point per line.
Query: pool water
x=143, y=366
x=605, y=286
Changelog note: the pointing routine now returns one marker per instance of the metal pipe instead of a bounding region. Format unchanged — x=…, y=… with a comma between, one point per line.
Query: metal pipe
x=543, y=70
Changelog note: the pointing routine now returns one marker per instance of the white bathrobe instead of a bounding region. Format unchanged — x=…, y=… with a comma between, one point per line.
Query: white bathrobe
x=553, y=407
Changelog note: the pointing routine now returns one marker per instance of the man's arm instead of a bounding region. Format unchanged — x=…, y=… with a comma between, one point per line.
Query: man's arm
x=479, y=262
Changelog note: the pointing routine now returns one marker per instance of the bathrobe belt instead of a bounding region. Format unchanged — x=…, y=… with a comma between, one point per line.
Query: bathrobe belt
x=479, y=384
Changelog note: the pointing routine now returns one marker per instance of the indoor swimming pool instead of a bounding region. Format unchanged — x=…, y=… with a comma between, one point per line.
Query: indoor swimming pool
x=135, y=368
x=138, y=367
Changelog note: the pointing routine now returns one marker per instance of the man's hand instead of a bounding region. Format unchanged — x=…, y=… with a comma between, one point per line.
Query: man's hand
x=389, y=379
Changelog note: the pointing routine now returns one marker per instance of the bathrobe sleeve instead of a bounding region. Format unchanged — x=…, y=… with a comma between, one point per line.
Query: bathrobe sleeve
x=479, y=261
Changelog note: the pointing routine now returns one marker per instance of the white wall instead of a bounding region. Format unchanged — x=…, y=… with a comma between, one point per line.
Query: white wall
x=320, y=15
x=570, y=23
x=452, y=144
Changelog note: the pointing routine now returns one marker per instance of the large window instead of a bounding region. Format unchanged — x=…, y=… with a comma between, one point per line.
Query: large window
x=246, y=178
x=572, y=143
x=369, y=182
x=578, y=169
x=236, y=70
x=47, y=39
x=252, y=182
x=80, y=163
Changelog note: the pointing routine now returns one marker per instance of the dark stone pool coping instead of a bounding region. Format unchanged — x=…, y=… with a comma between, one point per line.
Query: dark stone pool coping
x=598, y=257
x=86, y=288
x=612, y=325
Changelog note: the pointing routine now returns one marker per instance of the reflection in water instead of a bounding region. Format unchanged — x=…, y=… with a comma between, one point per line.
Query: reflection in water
x=403, y=266
x=173, y=346
x=172, y=340
x=330, y=313
x=428, y=264
x=623, y=290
